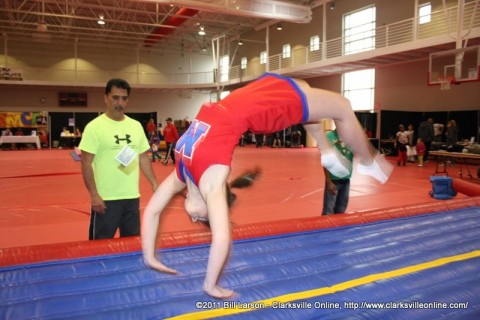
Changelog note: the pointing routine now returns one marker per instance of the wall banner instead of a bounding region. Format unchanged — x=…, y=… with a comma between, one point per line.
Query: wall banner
x=23, y=119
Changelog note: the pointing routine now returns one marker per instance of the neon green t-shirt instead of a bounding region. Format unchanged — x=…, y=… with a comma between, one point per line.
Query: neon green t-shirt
x=334, y=139
x=106, y=138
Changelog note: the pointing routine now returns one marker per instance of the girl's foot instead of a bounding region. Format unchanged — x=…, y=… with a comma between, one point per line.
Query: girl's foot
x=380, y=169
x=334, y=166
x=219, y=292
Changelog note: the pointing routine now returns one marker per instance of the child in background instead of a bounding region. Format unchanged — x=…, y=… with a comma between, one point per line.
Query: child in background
x=411, y=151
x=402, y=143
x=154, y=142
x=420, y=151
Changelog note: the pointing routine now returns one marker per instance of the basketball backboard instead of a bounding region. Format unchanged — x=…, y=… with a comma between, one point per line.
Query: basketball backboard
x=457, y=65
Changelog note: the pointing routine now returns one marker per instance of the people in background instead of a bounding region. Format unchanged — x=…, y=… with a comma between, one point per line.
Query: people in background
x=43, y=136
x=170, y=133
x=65, y=132
x=259, y=140
x=337, y=189
x=65, y=137
x=411, y=134
x=438, y=132
x=420, y=146
x=186, y=123
x=426, y=132
x=402, y=142
x=411, y=151
x=368, y=133
x=296, y=138
x=276, y=141
x=154, y=142
x=151, y=128
x=204, y=155
x=77, y=137
x=113, y=152
x=451, y=134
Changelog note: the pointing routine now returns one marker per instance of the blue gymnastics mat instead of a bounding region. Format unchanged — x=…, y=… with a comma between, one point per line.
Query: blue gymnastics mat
x=420, y=267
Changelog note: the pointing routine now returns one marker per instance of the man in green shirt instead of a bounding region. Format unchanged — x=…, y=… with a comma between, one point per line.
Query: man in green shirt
x=114, y=150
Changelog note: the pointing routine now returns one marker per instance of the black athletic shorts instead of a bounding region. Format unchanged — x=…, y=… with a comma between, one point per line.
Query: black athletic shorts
x=119, y=214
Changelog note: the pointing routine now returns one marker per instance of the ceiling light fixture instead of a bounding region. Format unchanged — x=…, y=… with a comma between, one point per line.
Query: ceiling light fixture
x=100, y=20
x=240, y=43
x=279, y=27
x=41, y=26
x=201, y=31
x=332, y=5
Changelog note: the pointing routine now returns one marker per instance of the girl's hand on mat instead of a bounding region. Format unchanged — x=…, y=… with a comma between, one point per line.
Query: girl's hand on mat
x=157, y=265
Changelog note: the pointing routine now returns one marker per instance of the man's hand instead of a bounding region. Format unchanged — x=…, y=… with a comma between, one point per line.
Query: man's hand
x=331, y=188
x=98, y=206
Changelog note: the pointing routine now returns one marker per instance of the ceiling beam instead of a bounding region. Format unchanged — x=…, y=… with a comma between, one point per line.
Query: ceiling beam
x=278, y=10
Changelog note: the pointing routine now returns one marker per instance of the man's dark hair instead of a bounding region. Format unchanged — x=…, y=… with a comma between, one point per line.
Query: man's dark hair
x=119, y=83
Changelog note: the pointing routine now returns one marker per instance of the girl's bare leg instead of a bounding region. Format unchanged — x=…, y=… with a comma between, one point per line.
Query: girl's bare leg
x=331, y=159
x=327, y=104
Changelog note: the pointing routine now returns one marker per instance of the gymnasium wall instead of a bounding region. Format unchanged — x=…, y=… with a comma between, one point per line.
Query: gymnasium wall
x=401, y=87
x=404, y=87
x=96, y=64
x=398, y=88
x=176, y=104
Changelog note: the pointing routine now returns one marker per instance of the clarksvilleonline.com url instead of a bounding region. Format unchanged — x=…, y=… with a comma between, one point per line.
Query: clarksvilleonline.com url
x=405, y=305
x=329, y=305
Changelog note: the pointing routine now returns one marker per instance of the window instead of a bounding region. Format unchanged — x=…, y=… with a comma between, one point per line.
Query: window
x=359, y=88
x=243, y=63
x=425, y=13
x=223, y=94
x=286, y=51
x=359, y=31
x=224, y=68
x=314, y=43
x=215, y=96
x=263, y=57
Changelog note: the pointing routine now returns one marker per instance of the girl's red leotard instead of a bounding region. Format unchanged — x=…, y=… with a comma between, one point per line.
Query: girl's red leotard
x=266, y=105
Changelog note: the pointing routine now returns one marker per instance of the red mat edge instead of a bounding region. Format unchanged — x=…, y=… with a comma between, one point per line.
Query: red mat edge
x=82, y=249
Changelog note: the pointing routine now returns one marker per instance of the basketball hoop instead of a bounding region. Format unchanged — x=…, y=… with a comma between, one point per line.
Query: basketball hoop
x=445, y=82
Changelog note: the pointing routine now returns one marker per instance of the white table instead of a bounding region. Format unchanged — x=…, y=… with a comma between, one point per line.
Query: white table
x=21, y=139
x=443, y=156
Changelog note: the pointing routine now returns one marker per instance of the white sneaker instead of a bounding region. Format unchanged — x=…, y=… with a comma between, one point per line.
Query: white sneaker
x=333, y=165
x=380, y=169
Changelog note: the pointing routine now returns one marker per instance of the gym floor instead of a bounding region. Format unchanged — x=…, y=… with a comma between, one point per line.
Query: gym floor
x=44, y=199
